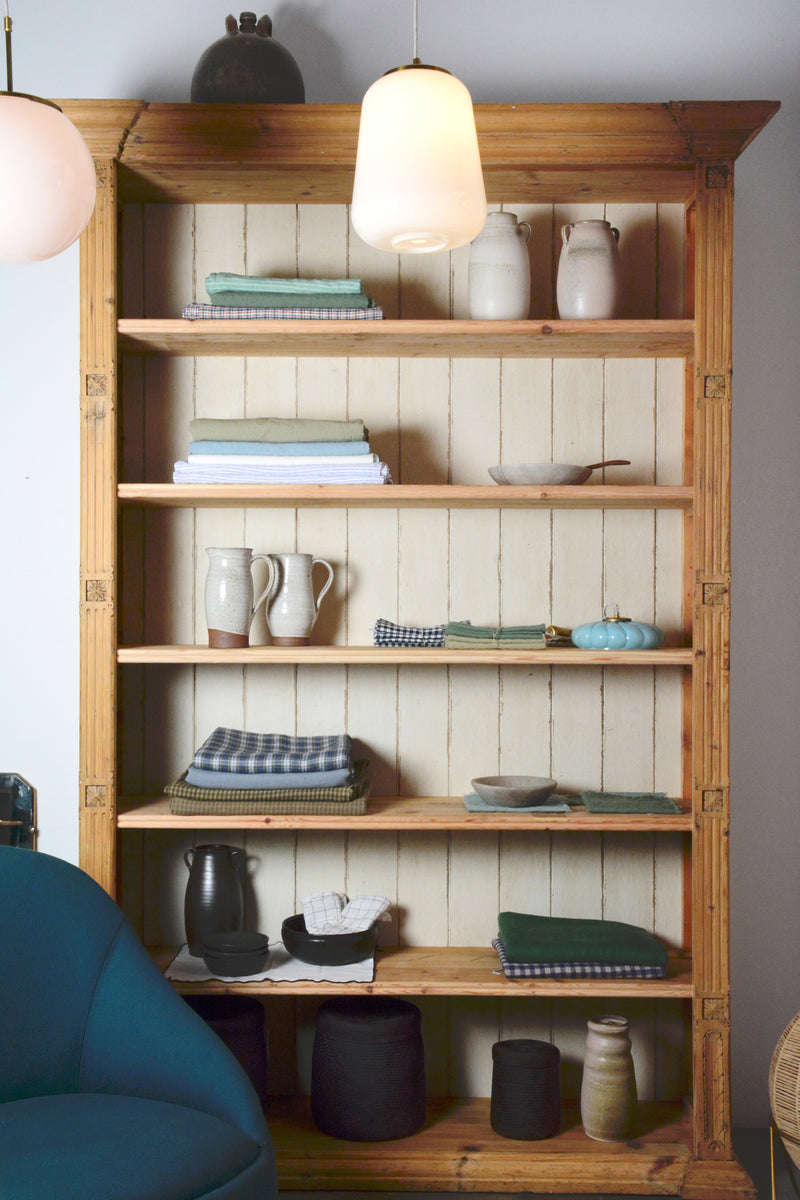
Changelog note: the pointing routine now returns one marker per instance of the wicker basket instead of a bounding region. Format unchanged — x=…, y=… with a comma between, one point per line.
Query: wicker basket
x=784, y=1088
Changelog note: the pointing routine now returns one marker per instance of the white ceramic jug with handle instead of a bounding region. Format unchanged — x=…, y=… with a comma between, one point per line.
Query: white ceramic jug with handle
x=499, y=277
x=229, y=603
x=588, y=282
x=292, y=607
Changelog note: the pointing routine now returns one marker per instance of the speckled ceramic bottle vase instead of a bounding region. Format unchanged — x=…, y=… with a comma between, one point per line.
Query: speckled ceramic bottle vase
x=588, y=279
x=608, y=1090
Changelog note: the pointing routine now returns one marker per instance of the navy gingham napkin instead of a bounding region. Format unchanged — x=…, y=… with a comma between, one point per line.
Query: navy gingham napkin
x=387, y=633
x=251, y=753
x=574, y=970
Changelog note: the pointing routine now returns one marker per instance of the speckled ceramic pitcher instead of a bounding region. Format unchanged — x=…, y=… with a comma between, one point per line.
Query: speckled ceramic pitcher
x=292, y=607
x=229, y=594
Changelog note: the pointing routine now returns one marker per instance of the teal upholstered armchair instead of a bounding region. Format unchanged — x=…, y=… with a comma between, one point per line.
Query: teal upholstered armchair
x=111, y=1087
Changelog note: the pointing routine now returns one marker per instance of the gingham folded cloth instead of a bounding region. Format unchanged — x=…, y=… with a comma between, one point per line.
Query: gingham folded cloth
x=254, y=753
x=574, y=970
x=332, y=912
x=225, y=312
x=386, y=633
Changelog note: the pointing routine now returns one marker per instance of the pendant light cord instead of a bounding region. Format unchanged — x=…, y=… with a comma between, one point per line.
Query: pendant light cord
x=416, y=31
x=7, y=28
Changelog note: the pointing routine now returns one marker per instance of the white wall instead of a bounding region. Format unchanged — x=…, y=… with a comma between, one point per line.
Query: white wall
x=517, y=50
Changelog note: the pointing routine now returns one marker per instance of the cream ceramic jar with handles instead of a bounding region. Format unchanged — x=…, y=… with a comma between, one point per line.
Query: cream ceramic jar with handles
x=499, y=281
x=588, y=279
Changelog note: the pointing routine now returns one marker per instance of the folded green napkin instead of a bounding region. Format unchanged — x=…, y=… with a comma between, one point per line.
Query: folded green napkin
x=629, y=802
x=244, y=299
x=275, y=429
x=463, y=629
x=227, y=281
x=529, y=938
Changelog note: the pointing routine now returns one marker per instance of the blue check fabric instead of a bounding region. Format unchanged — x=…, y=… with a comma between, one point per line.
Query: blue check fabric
x=386, y=633
x=224, y=312
x=574, y=970
x=253, y=753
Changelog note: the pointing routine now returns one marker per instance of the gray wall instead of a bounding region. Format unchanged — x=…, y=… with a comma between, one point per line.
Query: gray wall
x=520, y=51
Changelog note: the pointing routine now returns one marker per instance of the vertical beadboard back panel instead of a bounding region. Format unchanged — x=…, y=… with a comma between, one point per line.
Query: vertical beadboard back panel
x=427, y=731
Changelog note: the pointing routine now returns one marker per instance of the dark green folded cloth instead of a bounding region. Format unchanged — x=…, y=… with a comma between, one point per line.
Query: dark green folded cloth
x=629, y=802
x=245, y=299
x=529, y=938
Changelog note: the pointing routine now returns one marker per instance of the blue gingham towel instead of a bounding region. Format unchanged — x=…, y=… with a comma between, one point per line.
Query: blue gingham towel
x=252, y=753
x=204, y=312
x=386, y=633
x=574, y=970
x=332, y=912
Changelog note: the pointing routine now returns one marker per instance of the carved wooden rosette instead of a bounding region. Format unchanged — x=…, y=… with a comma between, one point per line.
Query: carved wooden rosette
x=98, y=533
x=711, y=639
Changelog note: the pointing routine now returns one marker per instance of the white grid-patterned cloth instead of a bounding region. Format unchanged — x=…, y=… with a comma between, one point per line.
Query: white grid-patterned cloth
x=224, y=312
x=332, y=912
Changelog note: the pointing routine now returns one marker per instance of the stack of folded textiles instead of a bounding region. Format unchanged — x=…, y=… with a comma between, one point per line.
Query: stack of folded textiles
x=387, y=633
x=279, y=450
x=238, y=297
x=239, y=773
x=461, y=635
x=532, y=946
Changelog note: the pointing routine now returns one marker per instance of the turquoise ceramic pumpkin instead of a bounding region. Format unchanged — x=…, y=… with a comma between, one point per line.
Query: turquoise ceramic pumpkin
x=617, y=633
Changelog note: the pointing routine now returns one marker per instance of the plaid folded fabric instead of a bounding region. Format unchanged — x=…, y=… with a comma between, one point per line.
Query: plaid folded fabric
x=386, y=633
x=254, y=753
x=574, y=970
x=332, y=912
x=275, y=808
x=189, y=798
x=224, y=312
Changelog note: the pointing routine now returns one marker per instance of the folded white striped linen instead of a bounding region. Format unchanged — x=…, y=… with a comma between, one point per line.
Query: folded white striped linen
x=285, y=460
x=185, y=472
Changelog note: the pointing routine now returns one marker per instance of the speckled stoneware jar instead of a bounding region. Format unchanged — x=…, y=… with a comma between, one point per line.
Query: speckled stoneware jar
x=608, y=1090
x=588, y=278
x=499, y=278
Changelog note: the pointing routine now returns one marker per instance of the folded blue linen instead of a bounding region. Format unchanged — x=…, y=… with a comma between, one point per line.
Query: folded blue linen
x=225, y=281
x=281, y=449
x=269, y=779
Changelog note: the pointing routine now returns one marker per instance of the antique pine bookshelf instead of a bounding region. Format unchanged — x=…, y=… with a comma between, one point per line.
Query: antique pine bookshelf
x=157, y=158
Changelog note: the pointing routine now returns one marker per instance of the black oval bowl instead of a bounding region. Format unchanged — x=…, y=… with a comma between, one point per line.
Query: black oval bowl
x=327, y=949
x=237, y=953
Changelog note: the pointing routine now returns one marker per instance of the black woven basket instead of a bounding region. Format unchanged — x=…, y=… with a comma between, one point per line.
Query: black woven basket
x=368, y=1069
x=526, y=1089
x=239, y=1021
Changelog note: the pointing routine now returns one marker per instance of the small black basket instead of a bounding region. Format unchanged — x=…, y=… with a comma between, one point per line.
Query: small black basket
x=368, y=1069
x=526, y=1089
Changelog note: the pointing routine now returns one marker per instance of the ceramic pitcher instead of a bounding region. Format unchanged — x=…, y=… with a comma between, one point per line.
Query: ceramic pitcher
x=588, y=283
x=229, y=594
x=292, y=607
x=499, y=281
x=214, y=901
x=608, y=1088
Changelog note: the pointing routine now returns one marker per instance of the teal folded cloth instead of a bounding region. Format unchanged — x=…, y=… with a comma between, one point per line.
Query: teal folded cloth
x=292, y=299
x=629, y=802
x=226, y=281
x=276, y=429
x=530, y=938
x=474, y=803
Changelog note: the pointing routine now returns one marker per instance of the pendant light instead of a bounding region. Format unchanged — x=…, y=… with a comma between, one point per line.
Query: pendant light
x=418, y=183
x=47, y=177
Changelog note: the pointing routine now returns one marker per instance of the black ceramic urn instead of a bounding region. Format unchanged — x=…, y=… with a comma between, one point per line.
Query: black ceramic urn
x=247, y=66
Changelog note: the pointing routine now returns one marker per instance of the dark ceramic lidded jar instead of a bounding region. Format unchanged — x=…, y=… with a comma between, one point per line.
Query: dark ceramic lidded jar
x=247, y=66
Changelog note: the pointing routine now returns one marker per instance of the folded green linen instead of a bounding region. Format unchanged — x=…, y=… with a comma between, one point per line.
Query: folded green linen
x=505, y=633
x=276, y=429
x=227, y=281
x=529, y=938
x=291, y=300
x=629, y=802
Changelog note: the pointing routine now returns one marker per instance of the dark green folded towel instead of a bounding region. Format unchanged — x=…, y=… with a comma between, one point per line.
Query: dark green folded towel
x=529, y=938
x=629, y=802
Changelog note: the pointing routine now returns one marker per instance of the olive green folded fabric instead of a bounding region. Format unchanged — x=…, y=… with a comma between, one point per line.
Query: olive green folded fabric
x=629, y=802
x=276, y=429
x=529, y=938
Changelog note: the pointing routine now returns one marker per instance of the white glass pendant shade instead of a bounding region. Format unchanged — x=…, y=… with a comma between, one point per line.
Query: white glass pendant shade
x=47, y=180
x=418, y=181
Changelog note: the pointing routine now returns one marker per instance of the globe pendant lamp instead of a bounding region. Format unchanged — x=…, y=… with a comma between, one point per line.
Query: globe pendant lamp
x=418, y=182
x=47, y=177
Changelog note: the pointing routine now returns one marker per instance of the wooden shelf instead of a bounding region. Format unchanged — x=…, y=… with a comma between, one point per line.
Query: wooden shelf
x=409, y=339
x=387, y=656
x=451, y=971
x=408, y=495
x=405, y=814
x=458, y=1151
